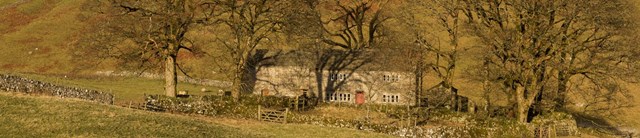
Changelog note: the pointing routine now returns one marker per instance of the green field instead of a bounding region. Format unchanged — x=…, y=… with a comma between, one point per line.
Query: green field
x=29, y=116
x=125, y=89
x=38, y=37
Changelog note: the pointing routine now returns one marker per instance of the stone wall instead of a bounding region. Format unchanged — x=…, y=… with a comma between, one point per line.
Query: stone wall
x=24, y=85
x=206, y=82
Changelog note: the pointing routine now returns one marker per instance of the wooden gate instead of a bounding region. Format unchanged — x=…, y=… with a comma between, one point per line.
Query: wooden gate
x=279, y=116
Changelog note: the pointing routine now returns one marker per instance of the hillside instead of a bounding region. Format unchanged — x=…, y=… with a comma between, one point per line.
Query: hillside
x=28, y=116
x=37, y=33
x=37, y=36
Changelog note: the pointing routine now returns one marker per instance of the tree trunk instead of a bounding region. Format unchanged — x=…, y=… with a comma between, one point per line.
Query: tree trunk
x=486, y=96
x=237, y=87
x=562, y=90
x=486, y=88
x=453, y=93
x=238, y=84
x=321, y=92
x=454, y=98
x=170, y=76
x=419, y=81
x=521, y=104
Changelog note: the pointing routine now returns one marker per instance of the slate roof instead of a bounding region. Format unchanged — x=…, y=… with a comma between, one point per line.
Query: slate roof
x=375, y=60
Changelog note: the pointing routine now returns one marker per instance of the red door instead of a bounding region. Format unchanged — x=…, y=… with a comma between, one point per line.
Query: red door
x=265, y=92
x=359, y=97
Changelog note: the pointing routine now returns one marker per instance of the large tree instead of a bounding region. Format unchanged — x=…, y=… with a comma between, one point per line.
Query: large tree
x=595, y=48
x=243, y=27
x=533, y=46
x=348, y=30
x=436, y=27
x=145, y=34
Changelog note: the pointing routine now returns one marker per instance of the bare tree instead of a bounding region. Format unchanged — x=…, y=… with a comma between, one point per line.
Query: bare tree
x=243, y=27
x=439, y=16
x=144, y=33
x=595, y=46
x=353, y=28
x=529, y=42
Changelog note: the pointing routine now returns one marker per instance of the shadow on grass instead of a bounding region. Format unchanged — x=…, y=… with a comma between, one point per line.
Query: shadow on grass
x=596, y=123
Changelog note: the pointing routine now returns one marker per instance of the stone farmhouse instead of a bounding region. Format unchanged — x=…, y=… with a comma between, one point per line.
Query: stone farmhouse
x=295, y=73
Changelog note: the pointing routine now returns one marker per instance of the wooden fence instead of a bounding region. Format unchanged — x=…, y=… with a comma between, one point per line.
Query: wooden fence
x=548, y=131
x=279, y=116
x=553, y=130
x=298, y=103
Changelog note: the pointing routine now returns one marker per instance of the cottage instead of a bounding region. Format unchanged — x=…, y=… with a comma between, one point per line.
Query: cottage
x=296, y=72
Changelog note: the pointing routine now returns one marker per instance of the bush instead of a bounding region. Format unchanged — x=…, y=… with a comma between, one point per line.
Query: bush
x=247, y=108
x=213, y=105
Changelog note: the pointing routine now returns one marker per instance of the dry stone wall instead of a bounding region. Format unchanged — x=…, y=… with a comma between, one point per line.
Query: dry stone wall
x=18, y=84
x=206, y=82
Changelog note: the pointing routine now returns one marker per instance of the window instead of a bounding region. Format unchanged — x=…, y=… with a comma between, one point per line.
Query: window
x=390, y=78
x=338, y=76
x=390, y=98
x=341, y=97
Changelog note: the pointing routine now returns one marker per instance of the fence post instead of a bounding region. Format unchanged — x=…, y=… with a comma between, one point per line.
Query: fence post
x=286, y=112
x=304, y=104
x=552, y=131
x=540, y=131
x=537, y=131
x=459, y=104
x=259, y=114
x=296, y=102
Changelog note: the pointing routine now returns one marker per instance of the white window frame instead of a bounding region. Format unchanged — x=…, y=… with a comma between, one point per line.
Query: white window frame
x=341, y=97
x=337, y=76
x=390, y=98
x=390, y=78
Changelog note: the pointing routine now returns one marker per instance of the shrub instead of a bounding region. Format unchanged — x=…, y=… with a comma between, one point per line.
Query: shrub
x=213, y=105
x=247, y=108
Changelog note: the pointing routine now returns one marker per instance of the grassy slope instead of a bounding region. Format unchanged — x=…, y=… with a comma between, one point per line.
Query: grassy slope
x=29, y=116
x=45, y=25
x=125, y=89
x=51, y=25
x=52, y=117
x=295, y=130
x=40, y=36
